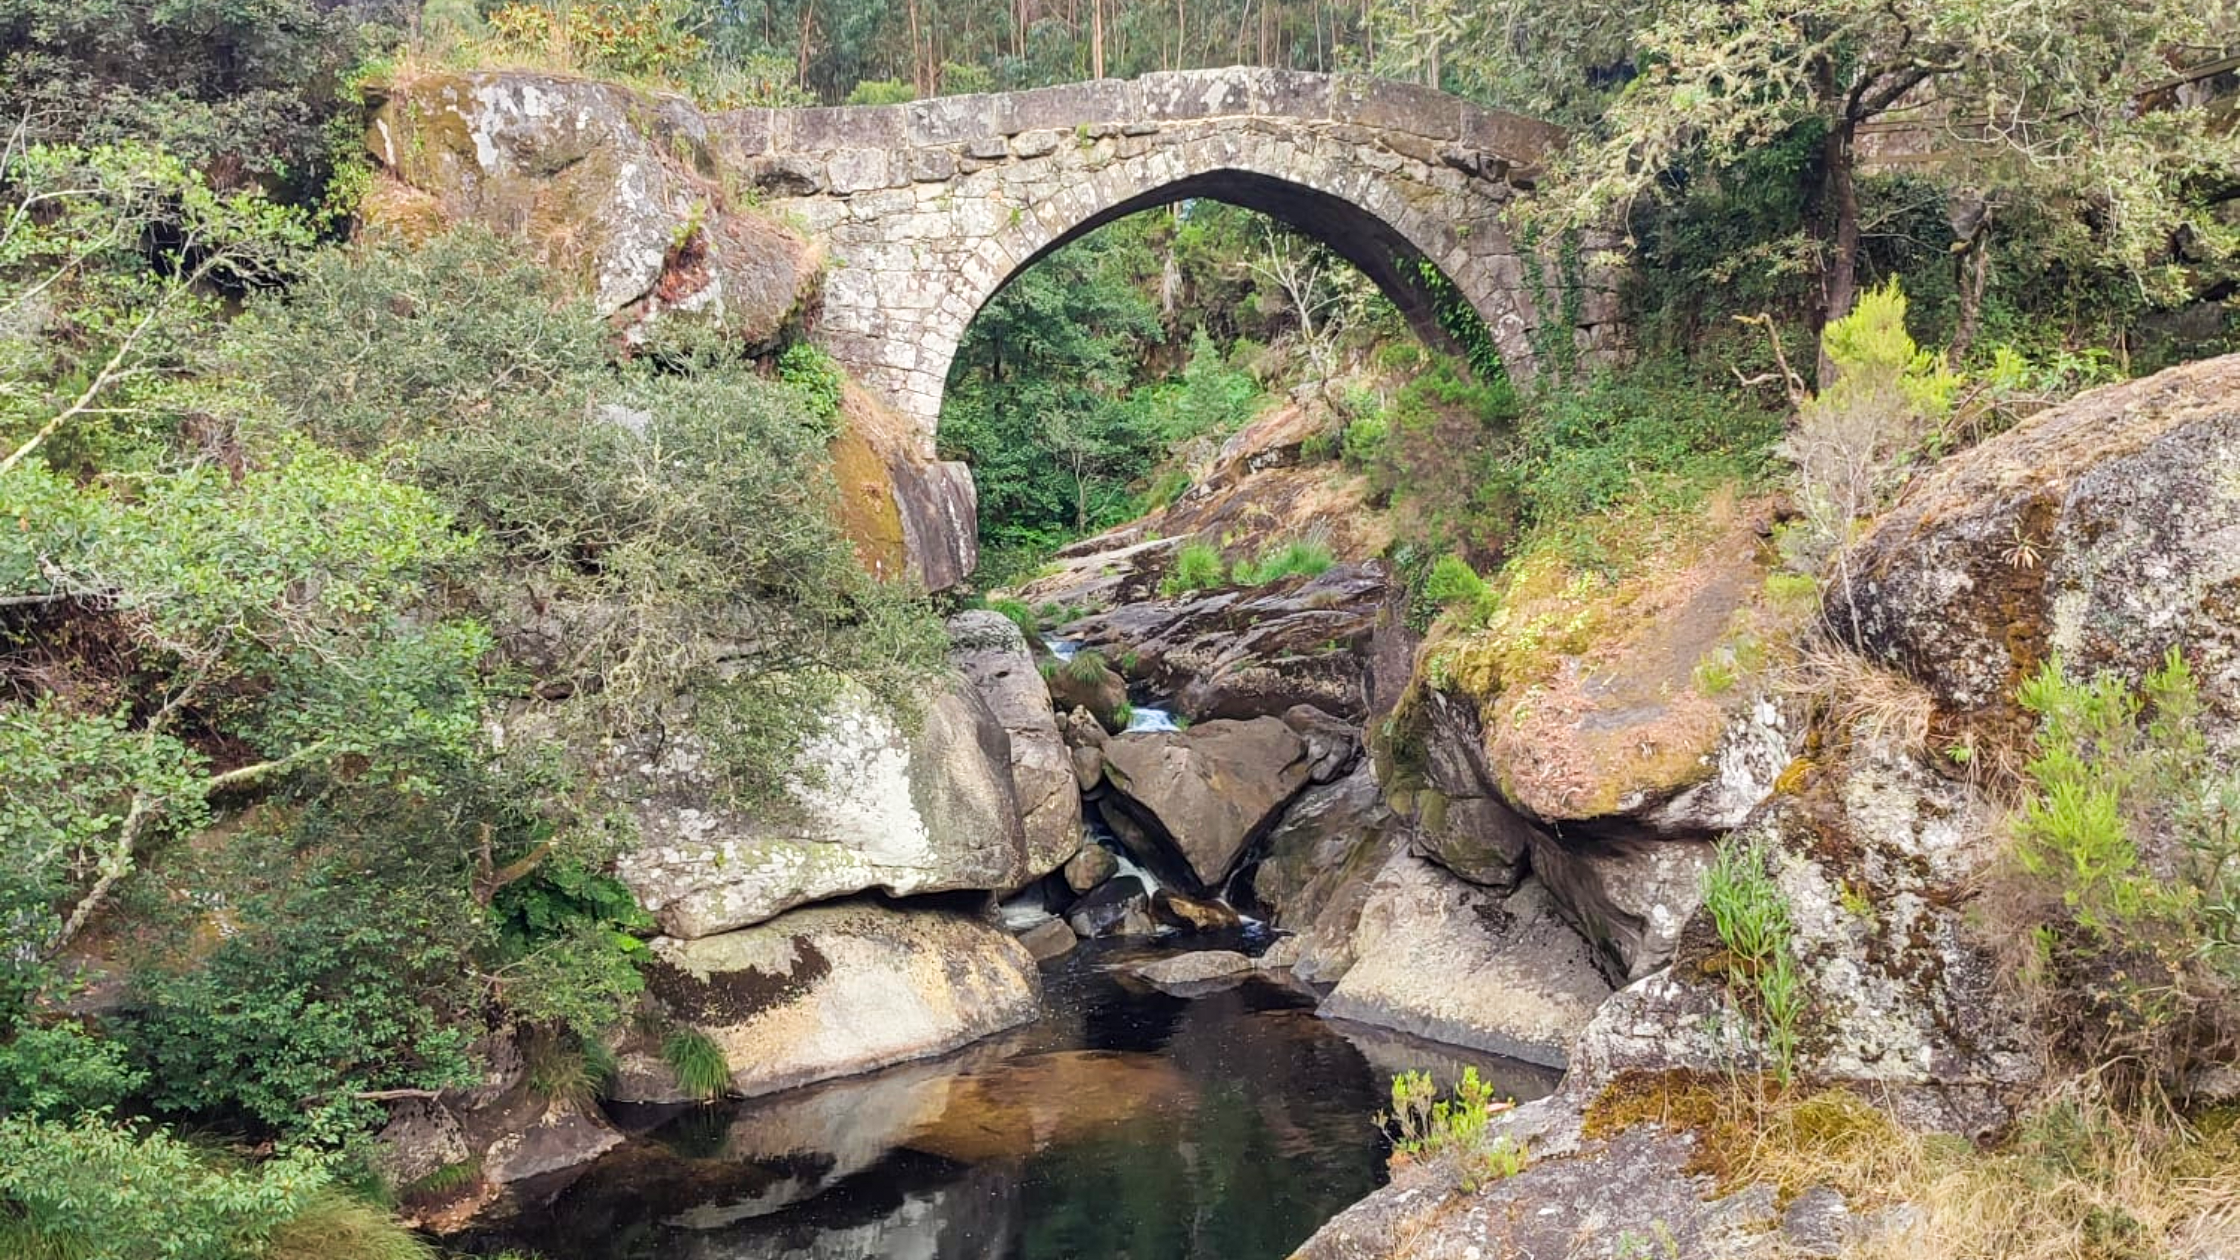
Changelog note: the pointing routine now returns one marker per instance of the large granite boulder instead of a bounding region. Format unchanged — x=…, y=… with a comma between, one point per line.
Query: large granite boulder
x=909, y=515
x=1876, y=856
x=2105, y=531
x=836, y=989
x=1630, y=897
x=1207, y=792
x=1462, y=821
x=1444, y=959
x=1319, y=865
x=873, y=808
x=604, y=184
x=993, y=654
x=1643, y=699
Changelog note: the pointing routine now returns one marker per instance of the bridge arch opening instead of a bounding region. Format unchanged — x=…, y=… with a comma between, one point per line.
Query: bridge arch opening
x=1413, y=282
x=1061, y=446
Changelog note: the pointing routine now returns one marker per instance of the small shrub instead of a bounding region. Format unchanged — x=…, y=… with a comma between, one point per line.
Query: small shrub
x=1714, y=677
x=1452, y=581
x=1164, y=490
x=881, y=92
x=1125, y=715
x=1751, y=915
x=1307, y=557
x=698, y=1062
x=1087, y=667
x=2124, y=876
x=817, y=378
x=61, y=1070
x=559, y=1068
x=1197, y=567
x=1457, y=1130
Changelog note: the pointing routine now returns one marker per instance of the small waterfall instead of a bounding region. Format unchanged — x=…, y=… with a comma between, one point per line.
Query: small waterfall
x=1063, y=649
x=1147, y=718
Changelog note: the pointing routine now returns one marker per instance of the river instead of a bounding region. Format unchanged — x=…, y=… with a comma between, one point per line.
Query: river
x=1124, y=1123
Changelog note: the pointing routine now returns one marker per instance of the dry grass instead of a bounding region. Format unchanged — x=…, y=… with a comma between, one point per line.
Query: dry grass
x=1861, y=697
x=2077, y=1179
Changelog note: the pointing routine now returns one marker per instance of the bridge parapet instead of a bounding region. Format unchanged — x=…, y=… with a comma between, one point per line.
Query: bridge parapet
x=930, y=207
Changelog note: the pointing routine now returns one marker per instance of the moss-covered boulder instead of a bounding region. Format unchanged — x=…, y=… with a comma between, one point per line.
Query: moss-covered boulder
x=2105, y=530
x=1638, y=693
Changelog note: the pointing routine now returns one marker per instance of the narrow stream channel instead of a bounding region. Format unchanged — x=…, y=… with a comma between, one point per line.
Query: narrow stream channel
x=1125, y=1123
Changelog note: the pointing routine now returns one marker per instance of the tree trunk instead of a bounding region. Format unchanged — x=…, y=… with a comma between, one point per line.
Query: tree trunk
x=1839, y=282
x=1096, y=39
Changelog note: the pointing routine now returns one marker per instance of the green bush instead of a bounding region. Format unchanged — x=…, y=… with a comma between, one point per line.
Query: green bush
x=670, y=515
x=1300, y=557
x=1452, y=581
x=881, y=92
x=2124, y=872
x=1087, y=667
x=817, y=377
x=93, y=1189
x=1197, y=567
x=1019, y=615
x=1455, y=1130
x=59, y=1070
x=1751, y=915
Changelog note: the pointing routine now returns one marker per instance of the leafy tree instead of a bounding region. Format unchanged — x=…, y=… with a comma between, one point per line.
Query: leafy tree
x=2038, y=101
x=108, y=258
x=1033, y=399
x=247, y=92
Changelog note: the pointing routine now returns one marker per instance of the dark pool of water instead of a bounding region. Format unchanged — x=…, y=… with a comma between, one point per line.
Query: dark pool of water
x=1126, y=1124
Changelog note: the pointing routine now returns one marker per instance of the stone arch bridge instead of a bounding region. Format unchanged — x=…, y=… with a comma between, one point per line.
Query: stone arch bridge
x=929, y=208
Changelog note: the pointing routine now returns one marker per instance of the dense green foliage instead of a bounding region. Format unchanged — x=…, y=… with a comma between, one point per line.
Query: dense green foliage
x=92, y=1189
x=274, y=591
x=1751, y=915
x=1114, y=355
x=247, y=92
x=2125, y=876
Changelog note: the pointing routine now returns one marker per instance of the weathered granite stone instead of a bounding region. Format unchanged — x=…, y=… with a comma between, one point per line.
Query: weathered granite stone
x=1320, y=862
x=1447, y=960
x=2105, y=531
x=835, y=989
x=993, y=655
x=907, y=814
x=1209, y=791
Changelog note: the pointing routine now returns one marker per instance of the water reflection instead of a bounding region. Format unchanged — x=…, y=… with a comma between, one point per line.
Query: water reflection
x=1126, y=1123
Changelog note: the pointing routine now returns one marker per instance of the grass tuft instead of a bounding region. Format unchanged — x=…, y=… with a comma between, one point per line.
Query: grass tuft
x=698, y=1062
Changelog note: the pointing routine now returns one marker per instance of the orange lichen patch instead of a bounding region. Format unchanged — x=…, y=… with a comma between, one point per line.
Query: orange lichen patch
x=869, y=514
x=395, y=210
x=1599, y=687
